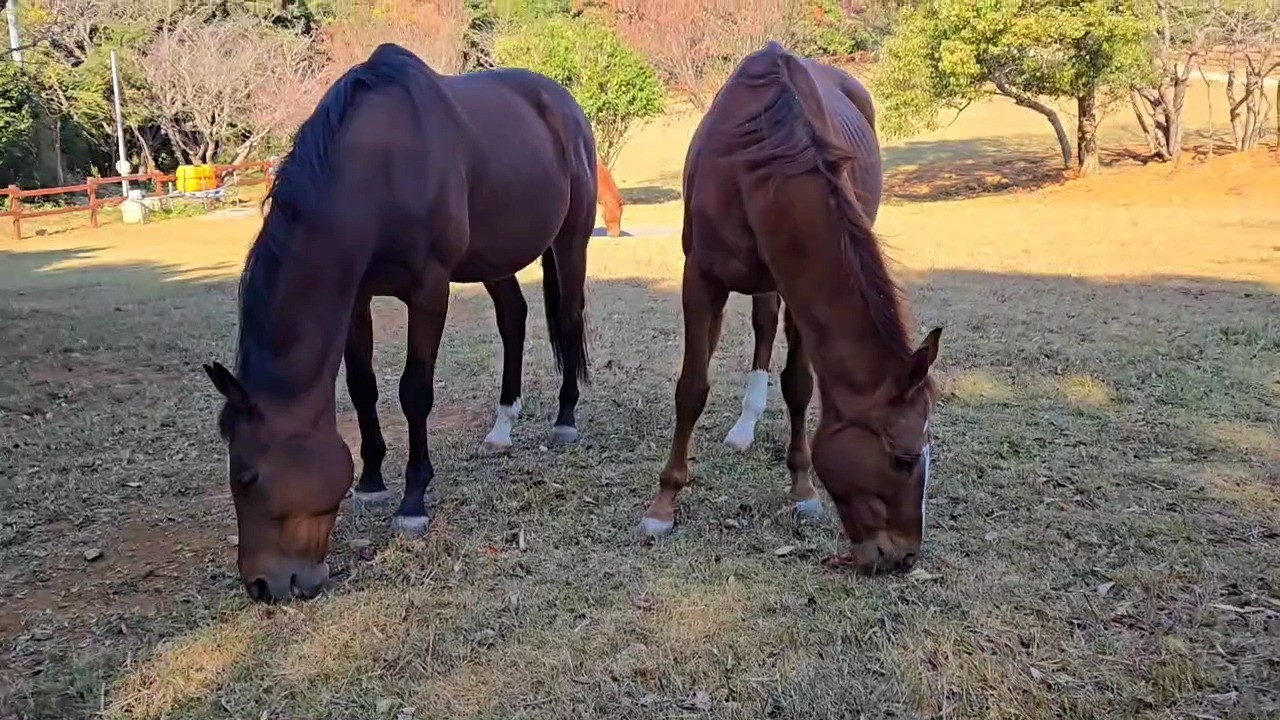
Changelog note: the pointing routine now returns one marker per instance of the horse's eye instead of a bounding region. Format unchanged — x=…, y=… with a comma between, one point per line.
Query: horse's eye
x=248, y=478
x=905, y=463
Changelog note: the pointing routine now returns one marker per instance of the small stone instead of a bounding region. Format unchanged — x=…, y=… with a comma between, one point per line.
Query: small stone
x=92, y=554
x=383, y=706
x=785, y=550
x=233, y=540
x=1105, y=588
x=991, y=536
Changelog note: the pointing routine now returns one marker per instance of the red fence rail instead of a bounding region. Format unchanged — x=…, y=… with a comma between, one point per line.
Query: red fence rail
x=16, y=195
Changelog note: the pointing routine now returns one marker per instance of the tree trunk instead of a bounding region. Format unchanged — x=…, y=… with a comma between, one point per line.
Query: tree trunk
x=1087, y=134
x=1026, y=101
x=1208, y=93
x=1140, y=111
x=148, y=160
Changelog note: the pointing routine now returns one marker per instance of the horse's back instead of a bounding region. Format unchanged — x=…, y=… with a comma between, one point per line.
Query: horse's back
x=852, y=115
x=533, y=164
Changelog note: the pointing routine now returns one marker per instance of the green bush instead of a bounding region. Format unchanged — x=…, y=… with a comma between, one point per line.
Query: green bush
x=17, y=126
x=613, y=84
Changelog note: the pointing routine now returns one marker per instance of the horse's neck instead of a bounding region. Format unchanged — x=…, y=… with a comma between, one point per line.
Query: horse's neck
x=305, y=324
x=851, y=362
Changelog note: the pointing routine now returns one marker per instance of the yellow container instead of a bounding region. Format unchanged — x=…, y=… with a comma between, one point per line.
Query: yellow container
x=195, y=178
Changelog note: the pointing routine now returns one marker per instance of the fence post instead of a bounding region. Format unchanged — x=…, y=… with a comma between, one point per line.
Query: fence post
x=93, y=201
x=15, y=207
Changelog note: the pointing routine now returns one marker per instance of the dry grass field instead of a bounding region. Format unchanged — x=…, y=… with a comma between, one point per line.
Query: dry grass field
x=1104, y=532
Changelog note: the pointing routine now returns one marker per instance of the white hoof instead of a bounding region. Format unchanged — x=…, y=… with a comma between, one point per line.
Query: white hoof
x=371, y=498
x=741, y=437
x=810, y=509
x=412, y=527
x=564, y=435
x=494, y=447
x=654, y=528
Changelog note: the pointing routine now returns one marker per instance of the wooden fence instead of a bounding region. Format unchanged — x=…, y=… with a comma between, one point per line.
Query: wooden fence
x=16, y=195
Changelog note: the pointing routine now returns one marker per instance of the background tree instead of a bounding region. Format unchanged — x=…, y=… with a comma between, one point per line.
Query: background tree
x=1184, y=31
x=695, y=44
x=948, y=53
x=1251, y=34
x=612, y=82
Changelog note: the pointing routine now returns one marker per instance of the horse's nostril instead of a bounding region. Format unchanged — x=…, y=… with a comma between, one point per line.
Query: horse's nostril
x=908, y=561
x=259, y=590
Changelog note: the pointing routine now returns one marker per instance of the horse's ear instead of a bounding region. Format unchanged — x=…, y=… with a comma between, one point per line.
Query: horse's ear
x=230, y=388
x=920, y=362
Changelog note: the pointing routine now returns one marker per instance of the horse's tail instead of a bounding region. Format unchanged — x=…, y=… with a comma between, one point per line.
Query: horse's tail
x=790, y=136
x=301, y=185
x=568, y=343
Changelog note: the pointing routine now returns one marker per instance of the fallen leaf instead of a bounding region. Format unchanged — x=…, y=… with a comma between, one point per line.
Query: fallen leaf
x=233, y=540
x=922, y=575
x=92, y=554
x=1036, y=673
x=133, y=484
x=383, y=706
x=732, y=523
x=1105, y=588
x=359, y=543
x=699, y=701
x=991, y=536
x=785, y=550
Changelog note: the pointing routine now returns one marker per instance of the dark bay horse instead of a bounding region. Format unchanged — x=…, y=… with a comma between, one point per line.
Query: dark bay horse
x=512, y=313
x=400, y=181
x=778, y=181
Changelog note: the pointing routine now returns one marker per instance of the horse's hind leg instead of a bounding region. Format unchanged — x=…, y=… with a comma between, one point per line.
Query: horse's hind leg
x=362, y=384
x=512, y=312
x=703, y=311
x=428, y=307
x=797, y=390
x=564, y=270
x=764, y=324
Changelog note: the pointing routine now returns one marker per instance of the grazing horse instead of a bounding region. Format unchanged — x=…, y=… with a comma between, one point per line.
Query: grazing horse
x=777, y=182
x=400, y=181
x=610, y=200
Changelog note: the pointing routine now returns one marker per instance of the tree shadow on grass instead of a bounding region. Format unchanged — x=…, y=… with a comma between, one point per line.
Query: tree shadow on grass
x=649, y=195
x=929, y=171
x=1089, y=433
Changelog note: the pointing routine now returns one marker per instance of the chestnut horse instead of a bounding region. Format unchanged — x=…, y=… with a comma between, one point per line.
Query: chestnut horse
x=400, y=181
x=778, y=181
x=610, y=200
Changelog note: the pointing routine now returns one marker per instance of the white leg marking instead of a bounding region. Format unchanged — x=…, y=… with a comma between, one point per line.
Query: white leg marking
x=412, y=527
x=754, y=400
x=653, y=528
x=810, y=509
x=499, y=438
x=373, y=498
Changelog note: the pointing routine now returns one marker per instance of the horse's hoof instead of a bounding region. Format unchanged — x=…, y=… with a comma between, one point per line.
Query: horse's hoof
x=810, y=509
x=410, y=526
x=371, y=498
x=494, y=447
x=655, y=528
x=564, y=435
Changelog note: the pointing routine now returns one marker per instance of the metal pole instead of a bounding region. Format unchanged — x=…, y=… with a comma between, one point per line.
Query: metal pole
x=15, y=41
x=123, y=164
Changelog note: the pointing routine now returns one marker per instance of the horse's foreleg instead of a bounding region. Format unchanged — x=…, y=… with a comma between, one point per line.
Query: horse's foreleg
x=362, y=385
x=764, y=324
x=428, y=307
x=703, y=315
x=512, y=312
x=797, y=390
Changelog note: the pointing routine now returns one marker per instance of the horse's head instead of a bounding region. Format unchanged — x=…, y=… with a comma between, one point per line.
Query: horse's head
x=287, y=480
x=876, y=468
